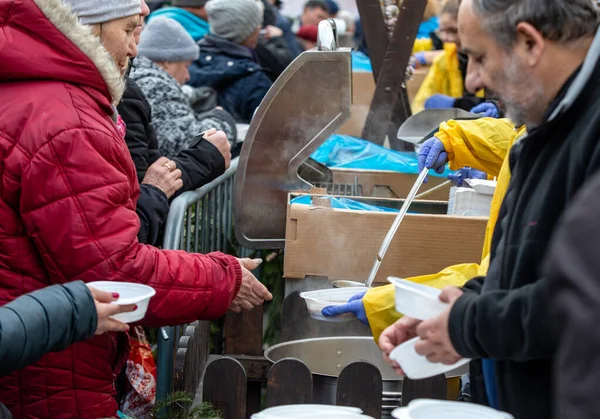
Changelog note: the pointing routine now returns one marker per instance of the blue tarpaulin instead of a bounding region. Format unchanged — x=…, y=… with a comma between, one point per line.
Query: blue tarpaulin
x=345, y=152
x=343, y=203
x=361, y=63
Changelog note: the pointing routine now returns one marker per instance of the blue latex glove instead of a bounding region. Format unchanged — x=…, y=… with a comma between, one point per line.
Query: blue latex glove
x=355, y=306
x=420, y=56
x=432, y=155
x=466, y=173
x=438, y=101
x=487, y=109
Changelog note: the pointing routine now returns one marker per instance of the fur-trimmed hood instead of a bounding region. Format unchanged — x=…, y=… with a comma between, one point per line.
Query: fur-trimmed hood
x=45, y=41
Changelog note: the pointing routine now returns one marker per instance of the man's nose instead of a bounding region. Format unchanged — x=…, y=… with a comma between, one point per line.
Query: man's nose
x=474, y=82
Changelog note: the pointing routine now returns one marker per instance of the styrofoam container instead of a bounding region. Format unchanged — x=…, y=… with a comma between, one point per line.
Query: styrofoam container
x=417, y=300
x=437, y=409
x=310, y=411
x=417, y=367
x=316, y=301
x=129, y=293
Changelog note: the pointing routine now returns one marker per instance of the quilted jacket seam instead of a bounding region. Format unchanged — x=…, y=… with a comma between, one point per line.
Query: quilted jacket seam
x=80, y=211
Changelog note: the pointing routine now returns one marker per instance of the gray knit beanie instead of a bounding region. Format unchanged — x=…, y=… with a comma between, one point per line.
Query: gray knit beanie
x=234, y=20
x=91, y=12
x=188, y=3
x=164, y=39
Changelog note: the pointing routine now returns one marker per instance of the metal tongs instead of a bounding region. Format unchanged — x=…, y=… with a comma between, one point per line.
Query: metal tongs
x=390, y=235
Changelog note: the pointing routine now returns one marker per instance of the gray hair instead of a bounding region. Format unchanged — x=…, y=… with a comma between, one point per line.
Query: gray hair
x=560, y=21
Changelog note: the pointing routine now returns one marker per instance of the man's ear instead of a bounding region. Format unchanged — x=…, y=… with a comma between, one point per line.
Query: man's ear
x=530, y=43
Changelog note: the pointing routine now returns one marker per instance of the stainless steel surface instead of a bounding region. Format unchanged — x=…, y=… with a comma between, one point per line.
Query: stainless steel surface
x=327, y=357
x=306, y=104
x=296, y=322
x=432, y=190
x=346, y=284
x=421, y=126
x=327, y=36
x=390, y=235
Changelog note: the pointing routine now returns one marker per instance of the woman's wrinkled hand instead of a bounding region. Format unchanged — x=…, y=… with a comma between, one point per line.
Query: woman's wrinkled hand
x=164, y=175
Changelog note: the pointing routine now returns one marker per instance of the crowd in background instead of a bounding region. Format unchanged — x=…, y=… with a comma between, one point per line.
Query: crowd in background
x=126, y=104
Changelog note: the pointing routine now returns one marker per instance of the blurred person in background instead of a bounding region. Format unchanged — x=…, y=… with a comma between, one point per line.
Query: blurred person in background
x=228, y=62
x=273, y=49
x=165, y=53
x=444, y=86
x=333, y=8
x=69, y=199
x=191, y=14
x=206, y=158
x=314, y=12
x=307, y=36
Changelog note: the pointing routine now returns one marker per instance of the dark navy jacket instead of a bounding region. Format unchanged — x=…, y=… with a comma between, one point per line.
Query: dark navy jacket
x=233, y=71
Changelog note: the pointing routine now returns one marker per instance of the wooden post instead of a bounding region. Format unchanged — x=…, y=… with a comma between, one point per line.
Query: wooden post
x=191, y=357
x=290, y=382
x=225, y=387
x=430, y=388
x=389, y=88
x=360, y=385
x=243, y=336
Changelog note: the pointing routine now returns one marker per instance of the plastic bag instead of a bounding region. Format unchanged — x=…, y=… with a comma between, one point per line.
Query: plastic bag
x=346, y=152
x=343, y=203
x=361, y=63
x=141, y=376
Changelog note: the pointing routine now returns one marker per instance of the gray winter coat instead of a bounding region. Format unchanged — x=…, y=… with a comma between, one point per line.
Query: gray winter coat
x=47, y=320
x=173, y=119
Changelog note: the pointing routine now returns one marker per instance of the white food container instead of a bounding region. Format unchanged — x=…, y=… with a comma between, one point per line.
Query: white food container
x=437, y=409
x=416, y=300
x=316, y=301
x=306, y=411
x=417, y=367
x=129, y=293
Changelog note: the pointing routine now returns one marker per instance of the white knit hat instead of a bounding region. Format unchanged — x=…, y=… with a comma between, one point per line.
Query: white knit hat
x=91, y=12
x=234, y=20
x=164, y=39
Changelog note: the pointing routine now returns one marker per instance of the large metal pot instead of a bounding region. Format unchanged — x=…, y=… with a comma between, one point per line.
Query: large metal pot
x=327, y=357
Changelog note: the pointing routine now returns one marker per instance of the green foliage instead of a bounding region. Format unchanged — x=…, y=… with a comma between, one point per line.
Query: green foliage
x=272, y=277
x=177, y=406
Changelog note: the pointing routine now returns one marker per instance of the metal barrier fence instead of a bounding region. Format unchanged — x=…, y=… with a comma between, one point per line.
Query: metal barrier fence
x=199, y=221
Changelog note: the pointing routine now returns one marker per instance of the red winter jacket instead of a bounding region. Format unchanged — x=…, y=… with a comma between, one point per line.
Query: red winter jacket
x=68, y=192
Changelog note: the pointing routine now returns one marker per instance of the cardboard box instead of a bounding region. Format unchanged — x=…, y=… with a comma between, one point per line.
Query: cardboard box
x=413, y=85
x=386, y=184
x=363, y=88
x=343, y=244
x=354, y=126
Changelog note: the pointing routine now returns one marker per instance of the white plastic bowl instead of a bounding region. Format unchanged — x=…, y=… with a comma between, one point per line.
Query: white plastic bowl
x=437, y=409
x=310, y=411
x=401, y=413
x=316, y=301
x=129, y=293
x=417, y=367
x=416, y=300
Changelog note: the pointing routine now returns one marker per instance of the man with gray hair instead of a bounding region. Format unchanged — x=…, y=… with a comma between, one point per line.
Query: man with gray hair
x=542, y=57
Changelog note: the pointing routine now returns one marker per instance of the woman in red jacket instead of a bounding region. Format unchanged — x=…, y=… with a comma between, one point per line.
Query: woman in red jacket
x=68, y=192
